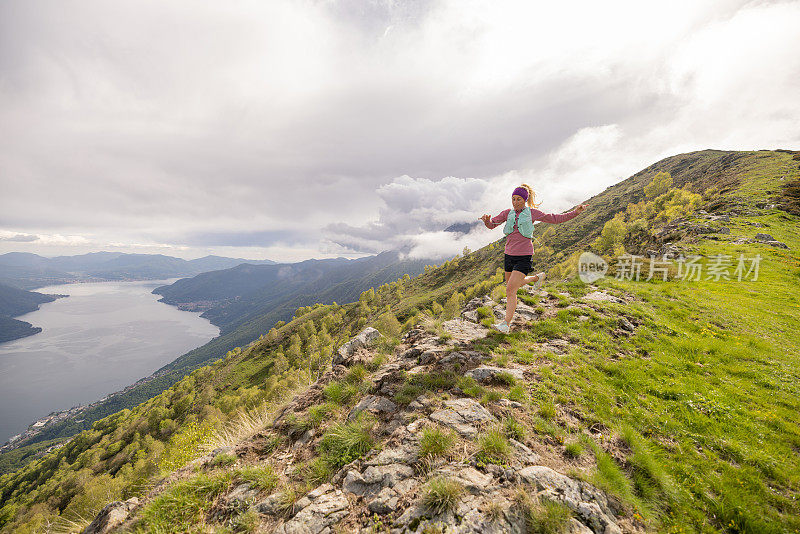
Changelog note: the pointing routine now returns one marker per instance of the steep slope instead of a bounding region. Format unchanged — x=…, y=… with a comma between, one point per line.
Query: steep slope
x=663, y=405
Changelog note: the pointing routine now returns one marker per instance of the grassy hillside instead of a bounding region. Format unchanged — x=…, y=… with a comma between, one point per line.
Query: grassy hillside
x=679, y=400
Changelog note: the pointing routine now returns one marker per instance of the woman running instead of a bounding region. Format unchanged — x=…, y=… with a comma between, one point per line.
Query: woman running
x=519, y=246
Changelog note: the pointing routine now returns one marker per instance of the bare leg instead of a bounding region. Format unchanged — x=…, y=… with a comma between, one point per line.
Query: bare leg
x=514, y=282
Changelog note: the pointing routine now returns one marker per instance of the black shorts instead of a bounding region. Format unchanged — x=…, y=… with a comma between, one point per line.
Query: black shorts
x=518, y=263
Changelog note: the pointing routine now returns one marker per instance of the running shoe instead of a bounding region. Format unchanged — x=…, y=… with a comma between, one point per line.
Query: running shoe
x=538, y=283
x=502, y=326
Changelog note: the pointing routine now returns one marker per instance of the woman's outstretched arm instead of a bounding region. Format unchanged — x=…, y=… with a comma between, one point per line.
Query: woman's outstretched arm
x=555, y=218
x=497, y=220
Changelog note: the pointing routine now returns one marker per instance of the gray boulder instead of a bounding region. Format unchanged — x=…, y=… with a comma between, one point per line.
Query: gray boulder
x=363, y=340
x=112, y=516
x=463, y=416
x=319, y=510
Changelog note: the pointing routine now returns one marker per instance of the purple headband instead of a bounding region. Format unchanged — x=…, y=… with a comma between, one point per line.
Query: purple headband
x=521, y=191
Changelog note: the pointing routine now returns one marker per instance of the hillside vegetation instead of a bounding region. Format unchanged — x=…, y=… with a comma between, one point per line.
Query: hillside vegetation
x=670, y=405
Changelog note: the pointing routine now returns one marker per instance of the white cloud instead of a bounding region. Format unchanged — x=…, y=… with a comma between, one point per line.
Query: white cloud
x=152, y=122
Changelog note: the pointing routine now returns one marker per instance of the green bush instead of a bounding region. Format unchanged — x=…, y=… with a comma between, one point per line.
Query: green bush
x=470, y=387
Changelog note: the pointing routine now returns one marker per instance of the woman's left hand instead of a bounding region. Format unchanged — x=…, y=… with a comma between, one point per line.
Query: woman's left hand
x=581, y=208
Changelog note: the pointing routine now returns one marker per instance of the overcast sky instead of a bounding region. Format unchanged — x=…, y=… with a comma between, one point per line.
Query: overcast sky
x=299, y=129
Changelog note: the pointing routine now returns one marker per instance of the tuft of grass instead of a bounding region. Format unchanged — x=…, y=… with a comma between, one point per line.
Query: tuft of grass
x=317, y=471
x=470, y=387
x=547, y=410
x=321, y=413
x=183, y=505
x=573, y=450
x=513, y=429
x=356, y=375
x=493, y=447
x=407, y=394
x=518, y=394
x=262, y=477
x=223, y=460
x=375, y=363
x=436, y=442
x=247, y=521
x=340, y=393
x=484, y=312
x=491, y=396
x=548, y=517
x=442, y=495
x=505, y=378
x=345, y=442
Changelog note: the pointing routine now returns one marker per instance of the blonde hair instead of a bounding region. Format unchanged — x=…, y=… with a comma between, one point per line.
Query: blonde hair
x=531, y=196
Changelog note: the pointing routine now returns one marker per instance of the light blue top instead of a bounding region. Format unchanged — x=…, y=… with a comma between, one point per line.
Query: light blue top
x=523, y=220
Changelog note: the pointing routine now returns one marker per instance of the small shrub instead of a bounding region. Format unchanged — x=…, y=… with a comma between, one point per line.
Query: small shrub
x=375, y=363
x=442, y=495
x=435, y=381
x=435, y=442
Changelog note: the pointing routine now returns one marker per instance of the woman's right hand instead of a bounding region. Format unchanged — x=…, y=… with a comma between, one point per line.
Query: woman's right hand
x=485, y=218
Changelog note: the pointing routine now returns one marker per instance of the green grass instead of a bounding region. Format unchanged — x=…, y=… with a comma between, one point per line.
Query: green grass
x=262, y=477
x=546, y=517
x=344, y=442
x=182, y=506
x=435, y=442
x=493, y=447
x=442, y=495
x=341, y=393
x=513, y=429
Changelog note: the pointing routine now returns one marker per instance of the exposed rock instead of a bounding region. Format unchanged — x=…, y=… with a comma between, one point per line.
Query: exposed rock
x=270, y=505
x=523, y=453
x=462, y=358
x=372, y=404
x=764, y=237
x=110, y=517
x=385, y=502
x=523, y=312
x=462, y=415
x=585, y=500
x=625, y=324
x=473, y=480
x=600, y=296
x=464, y=331
x=321, y=508
x=363, y=340
x=487, y=374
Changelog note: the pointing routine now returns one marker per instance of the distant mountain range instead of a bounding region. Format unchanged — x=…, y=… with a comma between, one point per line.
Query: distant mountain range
x=24, y=270
x=232, y=297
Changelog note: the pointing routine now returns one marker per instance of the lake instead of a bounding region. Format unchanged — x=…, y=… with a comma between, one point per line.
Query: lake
x=102, y=337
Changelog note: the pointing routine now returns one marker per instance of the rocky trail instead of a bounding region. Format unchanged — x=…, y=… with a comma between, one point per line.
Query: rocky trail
x=385, y=489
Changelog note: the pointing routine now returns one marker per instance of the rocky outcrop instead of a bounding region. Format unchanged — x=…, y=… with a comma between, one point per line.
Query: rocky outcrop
x=362, y=341
x=112, y=516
